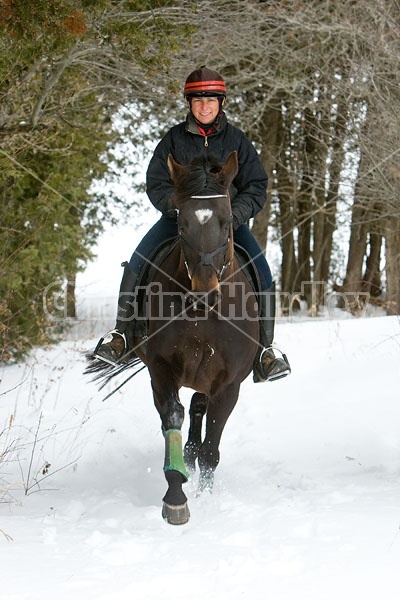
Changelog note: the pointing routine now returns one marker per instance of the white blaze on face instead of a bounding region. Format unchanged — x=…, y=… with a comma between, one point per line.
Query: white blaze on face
x=203, y=215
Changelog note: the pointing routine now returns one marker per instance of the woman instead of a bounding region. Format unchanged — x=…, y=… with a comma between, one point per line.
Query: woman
x=205, y=131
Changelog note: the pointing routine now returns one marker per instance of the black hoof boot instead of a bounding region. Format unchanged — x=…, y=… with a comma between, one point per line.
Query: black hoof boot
x=175, y=508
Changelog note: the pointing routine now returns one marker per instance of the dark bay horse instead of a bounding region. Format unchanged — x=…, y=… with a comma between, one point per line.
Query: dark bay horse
x=208, y=335
x=203, y=327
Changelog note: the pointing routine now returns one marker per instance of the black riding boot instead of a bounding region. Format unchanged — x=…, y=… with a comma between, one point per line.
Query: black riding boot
x=267, y=366
x=113, y=347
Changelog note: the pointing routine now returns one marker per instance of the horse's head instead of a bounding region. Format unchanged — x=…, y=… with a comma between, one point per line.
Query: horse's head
x=205, y=223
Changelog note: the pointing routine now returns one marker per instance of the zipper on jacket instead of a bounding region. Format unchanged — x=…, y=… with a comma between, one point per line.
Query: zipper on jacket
x=206, y=141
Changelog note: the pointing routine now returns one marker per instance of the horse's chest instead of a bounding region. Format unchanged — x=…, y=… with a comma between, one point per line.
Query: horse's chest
x=200, y=365
x=194, y=355
x=198, y=347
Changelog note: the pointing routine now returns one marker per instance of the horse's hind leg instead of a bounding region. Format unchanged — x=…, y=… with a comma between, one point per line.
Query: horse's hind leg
x=219, y=409
x=198, y=408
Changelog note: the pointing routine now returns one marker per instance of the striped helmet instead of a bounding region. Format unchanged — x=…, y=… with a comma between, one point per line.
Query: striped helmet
x=204, y=82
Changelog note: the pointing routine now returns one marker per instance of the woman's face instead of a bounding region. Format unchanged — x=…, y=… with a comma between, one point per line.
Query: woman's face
x=205, y=109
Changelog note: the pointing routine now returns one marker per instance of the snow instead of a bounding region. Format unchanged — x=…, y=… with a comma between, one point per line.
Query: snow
x=306, y=501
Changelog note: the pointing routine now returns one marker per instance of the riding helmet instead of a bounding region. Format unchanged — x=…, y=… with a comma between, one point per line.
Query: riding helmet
x=204, y=82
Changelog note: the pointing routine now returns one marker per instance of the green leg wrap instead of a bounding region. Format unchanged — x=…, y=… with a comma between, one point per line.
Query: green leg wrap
x=173, y=452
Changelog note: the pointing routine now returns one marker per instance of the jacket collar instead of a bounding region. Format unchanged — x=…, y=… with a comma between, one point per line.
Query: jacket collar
x=219, y=124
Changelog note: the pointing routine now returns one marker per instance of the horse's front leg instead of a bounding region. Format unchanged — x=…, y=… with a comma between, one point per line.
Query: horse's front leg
x=220, y=407
x=175, y=507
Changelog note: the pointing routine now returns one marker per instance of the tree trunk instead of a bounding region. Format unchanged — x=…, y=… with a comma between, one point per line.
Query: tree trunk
x=353, y=281
x=70, y=296
x=372, y=277
x=305, y=208
x=392, y=239
x=287, y=194
x=269, y=131
x=323, y=261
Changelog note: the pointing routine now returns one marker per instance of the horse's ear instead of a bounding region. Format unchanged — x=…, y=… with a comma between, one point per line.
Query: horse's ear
x=230, y=167
x=174, y=168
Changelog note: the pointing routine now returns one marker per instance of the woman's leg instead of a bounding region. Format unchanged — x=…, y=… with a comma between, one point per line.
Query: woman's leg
x=267, y=366
x=165, y=229
x=246, y=239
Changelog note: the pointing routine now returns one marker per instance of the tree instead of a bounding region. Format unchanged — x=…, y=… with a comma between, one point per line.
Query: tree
x=66, y=69
x=324, y=66
x=314, y=84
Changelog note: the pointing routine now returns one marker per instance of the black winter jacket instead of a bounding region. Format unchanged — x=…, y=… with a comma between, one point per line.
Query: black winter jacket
x=185, y=143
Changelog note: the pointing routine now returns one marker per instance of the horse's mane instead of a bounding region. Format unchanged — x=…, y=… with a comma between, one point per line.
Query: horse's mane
x=201, y=177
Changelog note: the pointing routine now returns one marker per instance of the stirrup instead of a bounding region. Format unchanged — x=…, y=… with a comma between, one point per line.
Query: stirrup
x=103, y=340
x=277, y=369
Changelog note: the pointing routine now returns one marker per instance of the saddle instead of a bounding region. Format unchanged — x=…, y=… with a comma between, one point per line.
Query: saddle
x=145, y=278
x=248, y=268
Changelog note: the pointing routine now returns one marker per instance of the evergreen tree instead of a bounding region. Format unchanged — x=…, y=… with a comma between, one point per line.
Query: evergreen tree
x=66, y=68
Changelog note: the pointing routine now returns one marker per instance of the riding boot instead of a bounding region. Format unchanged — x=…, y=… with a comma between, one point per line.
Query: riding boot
x=113, y=347
x=267, y=366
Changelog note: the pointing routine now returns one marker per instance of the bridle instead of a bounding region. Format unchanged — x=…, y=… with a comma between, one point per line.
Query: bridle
x=207, y=258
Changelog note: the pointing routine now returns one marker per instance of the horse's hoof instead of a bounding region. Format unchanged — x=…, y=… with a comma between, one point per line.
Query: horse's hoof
x=206, y=482
x=176, y=515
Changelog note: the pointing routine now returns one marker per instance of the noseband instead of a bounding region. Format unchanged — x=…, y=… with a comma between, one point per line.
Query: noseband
x=207, y=258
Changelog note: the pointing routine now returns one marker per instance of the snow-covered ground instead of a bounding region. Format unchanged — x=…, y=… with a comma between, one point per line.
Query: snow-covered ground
x=306, y=501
